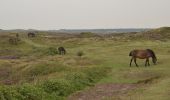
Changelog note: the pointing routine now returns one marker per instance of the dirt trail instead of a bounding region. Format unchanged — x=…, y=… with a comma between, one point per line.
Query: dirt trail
x=9, y=57
x=101, y=91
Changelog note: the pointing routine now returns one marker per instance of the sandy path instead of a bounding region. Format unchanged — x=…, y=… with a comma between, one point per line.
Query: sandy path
x=102, y=91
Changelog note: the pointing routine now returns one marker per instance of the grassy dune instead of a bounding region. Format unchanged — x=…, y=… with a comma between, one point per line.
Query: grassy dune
x=39, y=73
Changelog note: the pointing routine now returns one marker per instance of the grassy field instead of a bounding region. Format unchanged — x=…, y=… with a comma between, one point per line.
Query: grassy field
x=39, y=73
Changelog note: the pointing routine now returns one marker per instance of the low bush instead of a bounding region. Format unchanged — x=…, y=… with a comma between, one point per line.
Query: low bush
x=54, y=89
x=58, y=87
x=80, y=53
x=52, y=51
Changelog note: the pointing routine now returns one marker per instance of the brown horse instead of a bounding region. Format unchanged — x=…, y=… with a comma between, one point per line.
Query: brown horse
x=61, y=50
x=31, y=34
x=143, y=54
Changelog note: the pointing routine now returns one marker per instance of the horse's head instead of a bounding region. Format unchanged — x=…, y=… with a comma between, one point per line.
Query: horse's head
x=154, y=60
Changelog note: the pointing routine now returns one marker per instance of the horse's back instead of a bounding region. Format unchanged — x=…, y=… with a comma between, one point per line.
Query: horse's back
x=61, y=48
x=142, y=54
x=133, y=52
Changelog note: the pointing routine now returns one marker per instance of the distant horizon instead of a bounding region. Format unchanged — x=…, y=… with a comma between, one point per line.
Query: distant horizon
x=118, y=30
x=84, y=28
x=79, y=28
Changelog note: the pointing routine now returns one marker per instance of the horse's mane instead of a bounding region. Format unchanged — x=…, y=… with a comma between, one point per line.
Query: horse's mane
x=152, y=53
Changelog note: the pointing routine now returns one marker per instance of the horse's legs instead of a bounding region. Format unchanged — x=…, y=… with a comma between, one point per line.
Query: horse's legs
x=148, y=62
x=135, y=62
x=62, y=53
x=131, y=61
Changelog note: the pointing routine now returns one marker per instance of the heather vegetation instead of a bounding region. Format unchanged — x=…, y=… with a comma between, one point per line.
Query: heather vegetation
x=32, y=69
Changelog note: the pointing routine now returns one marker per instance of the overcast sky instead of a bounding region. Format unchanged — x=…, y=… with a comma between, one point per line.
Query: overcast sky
x=73, y=14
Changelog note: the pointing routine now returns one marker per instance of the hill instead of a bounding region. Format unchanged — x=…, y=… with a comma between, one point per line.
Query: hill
x=104, y=31
x=160, y=33
x=32, y=69
x=77, y=31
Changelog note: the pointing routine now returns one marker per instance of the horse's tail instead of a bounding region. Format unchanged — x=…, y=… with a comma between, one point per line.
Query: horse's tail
x=153, y=55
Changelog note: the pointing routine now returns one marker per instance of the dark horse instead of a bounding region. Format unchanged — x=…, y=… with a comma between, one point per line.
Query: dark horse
x=31, y=34
x=143, y=54
x=61, y=51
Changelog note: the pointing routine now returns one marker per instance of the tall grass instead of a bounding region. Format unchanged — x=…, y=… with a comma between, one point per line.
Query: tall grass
x=105, y=61
x=54, y=89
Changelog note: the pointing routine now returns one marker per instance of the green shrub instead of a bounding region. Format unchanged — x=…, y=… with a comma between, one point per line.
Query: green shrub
x=52, y=51
x=79, y=80
x=30, y=92
x=26, y=92
x=58, y=87
x=9, y=93
x=80, y=53
x=54, y=89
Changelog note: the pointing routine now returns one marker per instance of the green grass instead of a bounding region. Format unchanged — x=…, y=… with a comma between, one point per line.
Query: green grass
x=42, y=74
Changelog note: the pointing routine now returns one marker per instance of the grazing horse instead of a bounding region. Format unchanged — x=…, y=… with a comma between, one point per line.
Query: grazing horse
x=17, y=35
x=31, y=34
x=61, y=51
x=143, y=54
x=13, y=40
